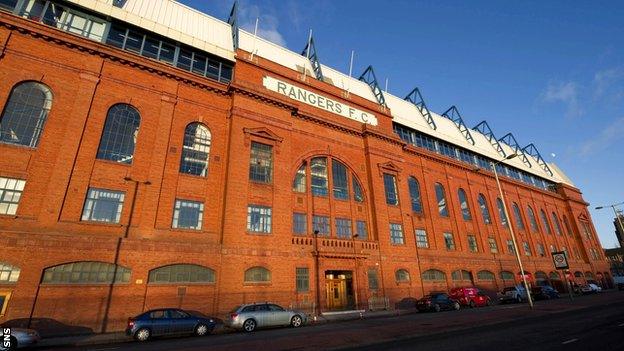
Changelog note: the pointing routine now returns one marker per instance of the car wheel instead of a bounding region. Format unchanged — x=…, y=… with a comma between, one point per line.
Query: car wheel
x=202, y=330
x=249, y=325
x=142, y=334
x=296, y=321
x=436, y=307
x=471, y=304
x=456, y=305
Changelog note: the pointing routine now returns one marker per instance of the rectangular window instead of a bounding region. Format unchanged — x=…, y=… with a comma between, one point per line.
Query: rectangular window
x=396, y=234
x=299, y=223
x=373, y=281
x=10, y=193
x=321, y=223
x=449, y=241
x=527, y=248
x=472, y=243
x=343, y=228
x=540, y=250
x=391, y=189
x=103, y=205
x=258, y=219
x=361, y=231
x=339, y=177
x=421, y=238
x=303, y=280
x=188, y=214
x=493, y=245
x=261, y=163
x=510, y=246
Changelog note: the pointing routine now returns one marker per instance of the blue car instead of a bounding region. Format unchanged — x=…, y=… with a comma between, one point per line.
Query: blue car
x=169, y=321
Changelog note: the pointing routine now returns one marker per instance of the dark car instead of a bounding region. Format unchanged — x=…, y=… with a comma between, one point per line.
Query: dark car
x=545, y=292
x=437, y=302
x=620, y=286
x=169, y=321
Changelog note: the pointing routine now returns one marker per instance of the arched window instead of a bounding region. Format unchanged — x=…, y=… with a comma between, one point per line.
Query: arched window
x=545, y=220
x=501, y=212
x=181, y=273
x=414, y=190
x=461, y=275
x=433, y=275
x=518, y=216
x=299, y=184
x=8, y=274
x=358, y=194
x=539, y=275
x=257, y=275
x=441, y=197
x=506, y=275
x=402, y=276
x=485, y=275
x=25, y=114
x=196, y=150
x=556, y=224
x=120, y=134
x=485, y=213
x=86, y=272
x=318, y=171
x=532, y=219
x=578, y=274
x=340, y=181
x=463, y=204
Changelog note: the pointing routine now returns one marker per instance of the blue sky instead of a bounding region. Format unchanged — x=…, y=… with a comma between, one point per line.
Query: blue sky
x=551, y=72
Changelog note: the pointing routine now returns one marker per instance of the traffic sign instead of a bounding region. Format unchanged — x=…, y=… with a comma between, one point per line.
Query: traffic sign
x=560, y=260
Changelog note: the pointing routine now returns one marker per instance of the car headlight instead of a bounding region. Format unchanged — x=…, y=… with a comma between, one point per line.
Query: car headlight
x=211, y=321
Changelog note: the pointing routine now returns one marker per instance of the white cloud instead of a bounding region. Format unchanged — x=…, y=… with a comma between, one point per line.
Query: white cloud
x=605, y=80
x=611, y=134
x=566, y=93
x=267, y=23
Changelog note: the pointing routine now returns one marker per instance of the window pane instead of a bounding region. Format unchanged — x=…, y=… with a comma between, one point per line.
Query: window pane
x=302, y=279
x=339, y=179
x=463, y=204
x=167, y=52
x=396, y=233
x=321, y=224
x=449, y=241
x=134, y=41
x=373, y=281
x=518, y=216
x=545, y=221
x=343, y=228
x=86, y=273
x=258, y=219
x=358, y=195
x=10, y=194
x=261, y=163
x=414, y=190
x=421, y=238
x=299, y=184
x=25, y=114
x=116, y=35
x=185, y=59
x=196, y=150
x=318, y=172
x=299, y=223
x=532, y=219
x=103, y=206
x=181, y=273
x=441, y=198
x=362, y=233
x=501, y=212
x=188, y=214
x=257, y=275
x=199, y=64
x=151, y=47
x=391, y=190
x=485, y=213
x=120, y=134
x=472, y=243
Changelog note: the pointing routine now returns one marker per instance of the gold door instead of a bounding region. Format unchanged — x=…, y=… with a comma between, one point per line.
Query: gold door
x=336, y=294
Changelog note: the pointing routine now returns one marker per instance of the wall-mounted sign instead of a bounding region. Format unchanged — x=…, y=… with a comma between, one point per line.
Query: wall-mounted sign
x=560, y=260
x=318, y=101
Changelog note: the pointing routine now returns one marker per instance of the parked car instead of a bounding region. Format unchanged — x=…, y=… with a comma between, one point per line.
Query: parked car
x=469, y=296
x=590, y=288
x=437, y=302
x=248, y=317
x=620, y=286
x=20, y=338
x=545, y=292
x=169, y=321
x=513, y=294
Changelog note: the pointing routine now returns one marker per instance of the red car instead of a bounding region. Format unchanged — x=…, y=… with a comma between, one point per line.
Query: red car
x=468, y=296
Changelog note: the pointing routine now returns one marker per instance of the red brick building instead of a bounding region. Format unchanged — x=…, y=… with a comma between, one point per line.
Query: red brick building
x=150, y=160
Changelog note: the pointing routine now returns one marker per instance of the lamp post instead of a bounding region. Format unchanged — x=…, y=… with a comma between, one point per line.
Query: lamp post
x=355, y=272
x=316, y=273
x=617, y=216
x=513, y=236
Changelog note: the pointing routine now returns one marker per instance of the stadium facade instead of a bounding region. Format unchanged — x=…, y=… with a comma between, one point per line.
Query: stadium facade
x=152, y=155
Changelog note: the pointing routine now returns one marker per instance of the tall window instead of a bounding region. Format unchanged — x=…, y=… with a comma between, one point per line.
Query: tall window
x=318, y=170
x=414, y=190
x=257, y=275
x=493, y=245
x=556, y=224
x=188, y=214
x=343, y=228
x=299, y=184
x=321, y=223
x=421, y=238
x=392, y=197
x=103, y=205
x=449, y=242
x=299, y=223
x=532, y=219
x=545, y=220
x=120, y=134
x=25, y=114
x=196, y=150
x=302, y=280
x=340, y=181
x=396, y=233
x=258, y=219
x=358, y=194
x=181, y=273
x=472, y=243
x=10, y=194
x=540, y=250
x=527, y=248
x=261, y=163
x=373, y=280
x=518, y=215
x=485, y=213
x=510, y=246
x=501, y=212
x=441, y=198
x=360, y=230
x=463, y=204
x=86, y=272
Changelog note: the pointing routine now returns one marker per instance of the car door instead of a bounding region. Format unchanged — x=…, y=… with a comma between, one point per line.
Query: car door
x=183, y=323
x=278, y=316
x=261, y=314
x=159, y=321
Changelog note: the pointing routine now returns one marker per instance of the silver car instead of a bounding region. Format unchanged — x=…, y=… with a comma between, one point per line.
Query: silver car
x=248, y=317
x=19, y=337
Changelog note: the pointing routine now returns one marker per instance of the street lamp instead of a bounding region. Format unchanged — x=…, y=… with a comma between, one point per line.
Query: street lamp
x=513, y=236
x=617, y=216
x=316, y=272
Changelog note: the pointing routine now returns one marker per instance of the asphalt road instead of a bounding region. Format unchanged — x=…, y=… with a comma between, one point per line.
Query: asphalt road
x=587, y=323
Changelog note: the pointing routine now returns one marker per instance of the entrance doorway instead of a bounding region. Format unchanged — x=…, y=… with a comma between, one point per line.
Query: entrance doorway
x=339, y=290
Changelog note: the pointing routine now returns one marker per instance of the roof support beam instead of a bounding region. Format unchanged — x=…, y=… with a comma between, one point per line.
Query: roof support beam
x=233, y=21
x=369, y=78
x=532, y=150
x=453, y=114
x=510, y=140
x=415, y=97
x=310, y=52
x=484, y=128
